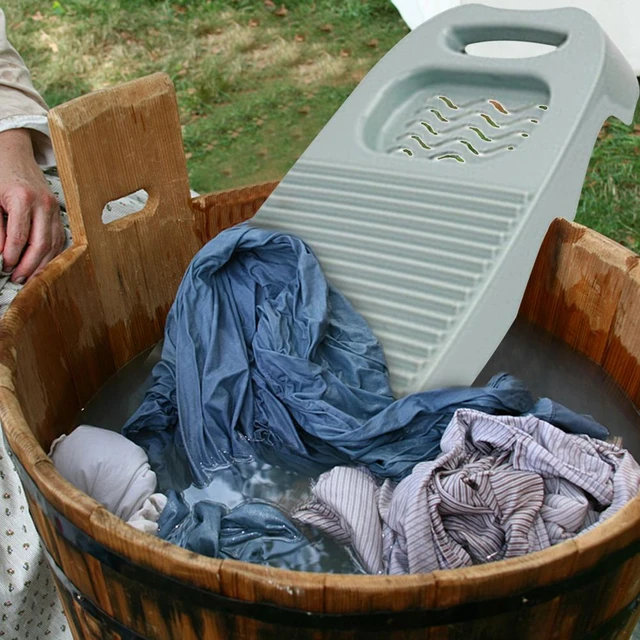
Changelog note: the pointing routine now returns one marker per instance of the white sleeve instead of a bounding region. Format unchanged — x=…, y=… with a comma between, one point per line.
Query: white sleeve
x=39, y=128
x=21, y=106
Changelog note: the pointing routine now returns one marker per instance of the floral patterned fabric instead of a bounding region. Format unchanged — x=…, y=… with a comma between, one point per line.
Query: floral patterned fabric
x=29, y=605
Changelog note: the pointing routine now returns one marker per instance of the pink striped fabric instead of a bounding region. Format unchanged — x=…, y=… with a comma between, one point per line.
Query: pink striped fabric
x=502, y=487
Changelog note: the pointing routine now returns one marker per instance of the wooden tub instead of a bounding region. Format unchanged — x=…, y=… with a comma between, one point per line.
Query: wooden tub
x=105, y=300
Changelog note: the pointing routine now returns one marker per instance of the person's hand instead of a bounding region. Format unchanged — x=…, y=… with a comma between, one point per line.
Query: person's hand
x=31, y=232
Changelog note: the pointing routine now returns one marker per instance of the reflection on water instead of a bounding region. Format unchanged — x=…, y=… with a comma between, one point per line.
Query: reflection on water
x=551, y=369
x=544, y=363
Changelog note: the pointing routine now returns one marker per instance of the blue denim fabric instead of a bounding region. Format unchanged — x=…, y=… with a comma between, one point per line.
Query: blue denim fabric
x=252, y=531
x=263, y=357
x=567, y=420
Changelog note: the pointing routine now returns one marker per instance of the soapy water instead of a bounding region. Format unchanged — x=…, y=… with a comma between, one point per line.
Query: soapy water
x=245, y=480
x=547, y=366
x=552, y=369
x=286, y=490
x=252, y=480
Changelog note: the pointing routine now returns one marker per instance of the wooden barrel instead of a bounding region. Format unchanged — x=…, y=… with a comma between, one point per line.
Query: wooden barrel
x=105, y=300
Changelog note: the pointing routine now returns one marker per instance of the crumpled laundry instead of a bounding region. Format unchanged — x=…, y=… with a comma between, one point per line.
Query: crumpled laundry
x=146, y=518
x=115, y=472
x=502, y=487
x=263, y=357
x=253, y=531
x=112, y=470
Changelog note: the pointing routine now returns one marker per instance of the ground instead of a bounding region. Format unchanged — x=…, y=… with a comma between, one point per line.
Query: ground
x=256, y=80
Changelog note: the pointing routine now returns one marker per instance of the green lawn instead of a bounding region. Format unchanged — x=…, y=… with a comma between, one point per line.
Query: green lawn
x=257, y=80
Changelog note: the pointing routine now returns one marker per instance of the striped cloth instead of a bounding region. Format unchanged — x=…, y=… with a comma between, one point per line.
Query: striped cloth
x=503, y=487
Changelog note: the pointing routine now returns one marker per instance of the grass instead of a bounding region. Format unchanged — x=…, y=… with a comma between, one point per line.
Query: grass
x=610, y=201
x=254, y=86
x=257, y=80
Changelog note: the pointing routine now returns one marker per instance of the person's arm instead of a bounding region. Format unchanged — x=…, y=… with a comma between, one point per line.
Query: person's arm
x=21, y=106
x=32, y=233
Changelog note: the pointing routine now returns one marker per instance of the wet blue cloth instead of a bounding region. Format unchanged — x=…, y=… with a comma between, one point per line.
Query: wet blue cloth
x=263, y=357
x=252, y=531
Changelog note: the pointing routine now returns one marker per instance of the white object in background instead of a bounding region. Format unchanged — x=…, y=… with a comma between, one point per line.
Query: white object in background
x=415, y=12
x=620, y=19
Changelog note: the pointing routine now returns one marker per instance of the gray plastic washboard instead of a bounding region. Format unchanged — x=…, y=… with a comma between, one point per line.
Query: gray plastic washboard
x=427, y=196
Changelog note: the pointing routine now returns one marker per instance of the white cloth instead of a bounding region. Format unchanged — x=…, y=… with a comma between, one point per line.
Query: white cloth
x=146, y=518
x=111, y=469
x=502, y=487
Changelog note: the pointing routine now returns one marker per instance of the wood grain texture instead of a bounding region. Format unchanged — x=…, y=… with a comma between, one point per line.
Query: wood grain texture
x=43, y=381
x=585, y=289
x=226, y=208
x=87, y=351
x=105, y=151
x=106, y=299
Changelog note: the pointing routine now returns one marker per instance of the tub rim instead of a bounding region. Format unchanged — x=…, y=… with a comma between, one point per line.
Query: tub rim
x=438, y=589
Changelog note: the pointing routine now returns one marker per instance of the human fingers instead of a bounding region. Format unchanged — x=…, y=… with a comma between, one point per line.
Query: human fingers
x=41, y=244
x=17, y=201
x=3, y=234
x=57, y=244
